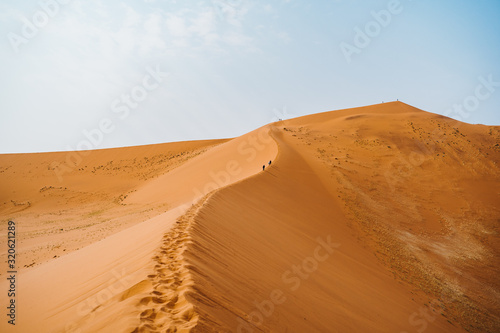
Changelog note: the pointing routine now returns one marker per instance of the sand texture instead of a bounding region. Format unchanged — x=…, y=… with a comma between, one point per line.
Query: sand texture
x=382, y=218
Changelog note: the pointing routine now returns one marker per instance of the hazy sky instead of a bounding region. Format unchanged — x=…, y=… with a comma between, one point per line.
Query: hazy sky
x=107, y=73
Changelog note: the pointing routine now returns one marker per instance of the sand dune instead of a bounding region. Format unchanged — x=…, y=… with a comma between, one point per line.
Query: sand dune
x=374, y=219
x=68, y=200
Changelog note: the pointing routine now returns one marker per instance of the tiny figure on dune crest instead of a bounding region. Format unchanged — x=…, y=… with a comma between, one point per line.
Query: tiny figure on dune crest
x=269, y=163
x=263, y=167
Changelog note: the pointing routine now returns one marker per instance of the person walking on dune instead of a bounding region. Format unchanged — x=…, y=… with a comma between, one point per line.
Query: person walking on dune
x=263, y=167
x=269, y=163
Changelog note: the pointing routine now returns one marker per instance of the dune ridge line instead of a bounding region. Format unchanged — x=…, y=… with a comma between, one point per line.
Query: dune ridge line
x=166, y=307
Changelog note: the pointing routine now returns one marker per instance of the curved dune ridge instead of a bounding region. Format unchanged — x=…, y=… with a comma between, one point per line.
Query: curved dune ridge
x=376, y=219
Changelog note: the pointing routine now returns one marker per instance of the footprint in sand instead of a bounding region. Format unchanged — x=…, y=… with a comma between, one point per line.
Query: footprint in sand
x=166, y=309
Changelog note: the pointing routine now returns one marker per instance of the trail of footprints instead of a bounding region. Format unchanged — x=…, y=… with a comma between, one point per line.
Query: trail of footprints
x=166, y=309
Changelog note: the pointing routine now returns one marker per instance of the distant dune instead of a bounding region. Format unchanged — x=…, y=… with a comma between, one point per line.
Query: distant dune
x=382, y=218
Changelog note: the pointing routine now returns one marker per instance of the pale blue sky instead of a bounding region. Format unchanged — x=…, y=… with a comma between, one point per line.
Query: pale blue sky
x=69, y=66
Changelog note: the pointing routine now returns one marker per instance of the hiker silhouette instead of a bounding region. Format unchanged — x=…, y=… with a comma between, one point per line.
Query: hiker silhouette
x=269, y=162
x=263, y=167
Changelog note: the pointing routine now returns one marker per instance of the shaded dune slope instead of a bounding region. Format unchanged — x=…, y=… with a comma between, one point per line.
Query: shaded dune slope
x=422, y=191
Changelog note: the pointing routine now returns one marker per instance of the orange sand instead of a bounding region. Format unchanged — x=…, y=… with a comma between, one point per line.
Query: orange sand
x=374, y=219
